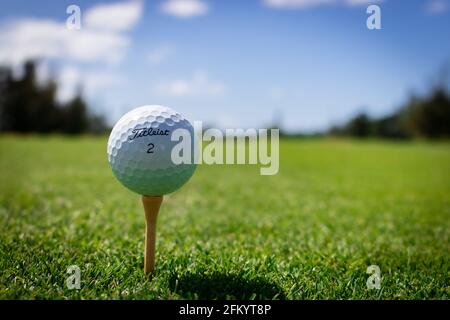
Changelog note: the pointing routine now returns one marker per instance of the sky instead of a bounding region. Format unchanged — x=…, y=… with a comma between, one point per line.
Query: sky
x=306, y=64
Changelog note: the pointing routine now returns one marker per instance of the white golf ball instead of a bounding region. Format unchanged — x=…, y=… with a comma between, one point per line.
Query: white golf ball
x=140, y=148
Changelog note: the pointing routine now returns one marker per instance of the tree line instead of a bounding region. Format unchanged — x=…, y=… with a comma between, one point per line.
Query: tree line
x=27, y=106
x=421, y=117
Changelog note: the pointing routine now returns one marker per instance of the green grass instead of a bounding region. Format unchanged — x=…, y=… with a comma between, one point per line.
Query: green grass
x=309, y=232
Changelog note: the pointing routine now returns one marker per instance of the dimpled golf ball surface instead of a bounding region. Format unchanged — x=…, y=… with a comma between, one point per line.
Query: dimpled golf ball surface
x=140, y=147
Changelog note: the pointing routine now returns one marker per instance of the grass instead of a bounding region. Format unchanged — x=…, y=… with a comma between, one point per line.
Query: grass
x=309, y=232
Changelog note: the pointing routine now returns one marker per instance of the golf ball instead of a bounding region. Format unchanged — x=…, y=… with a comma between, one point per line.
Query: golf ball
x=140, y=150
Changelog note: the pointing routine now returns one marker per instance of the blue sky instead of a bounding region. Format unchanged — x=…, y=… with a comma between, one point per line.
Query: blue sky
x=235, y=63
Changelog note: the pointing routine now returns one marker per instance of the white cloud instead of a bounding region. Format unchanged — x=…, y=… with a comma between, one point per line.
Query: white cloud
x=120, y=16
x=71, y=79
x=97, y=80
x=101, y=38
x=31, y=38
x=184, y=8
x=68, y=80
x=160, y=54
x=43, y=73
x=97, y=46
x=45, y=39
x=437, y=6
x=303, y=4
x=199, y=84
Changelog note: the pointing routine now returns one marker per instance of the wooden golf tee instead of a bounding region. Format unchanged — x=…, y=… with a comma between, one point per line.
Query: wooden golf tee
x=151, y=207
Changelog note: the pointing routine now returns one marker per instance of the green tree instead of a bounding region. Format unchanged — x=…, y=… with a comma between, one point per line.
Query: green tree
x=429, y=117
x=75, y=116
x=359, y=126
x=28, y=106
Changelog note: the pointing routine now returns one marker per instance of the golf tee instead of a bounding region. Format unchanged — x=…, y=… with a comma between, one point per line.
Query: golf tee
x=151, y=208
